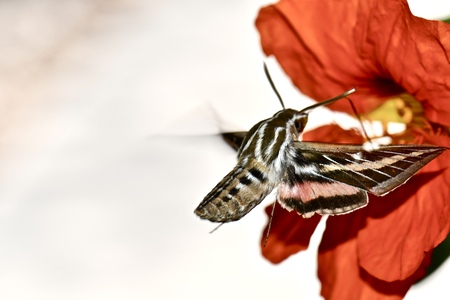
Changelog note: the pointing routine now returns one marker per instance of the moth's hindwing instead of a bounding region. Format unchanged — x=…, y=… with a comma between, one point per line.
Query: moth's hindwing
x=320, y=196
x=238, y=193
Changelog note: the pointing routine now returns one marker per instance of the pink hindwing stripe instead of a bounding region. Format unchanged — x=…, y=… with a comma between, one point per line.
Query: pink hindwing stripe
x=310, y=190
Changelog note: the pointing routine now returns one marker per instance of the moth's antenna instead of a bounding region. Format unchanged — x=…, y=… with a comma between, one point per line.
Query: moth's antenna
x=329, y=101
x=358, y=116
x=273, y=85
x=270, y=222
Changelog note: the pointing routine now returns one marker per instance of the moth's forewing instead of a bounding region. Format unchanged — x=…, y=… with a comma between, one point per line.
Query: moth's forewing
x=377, y=171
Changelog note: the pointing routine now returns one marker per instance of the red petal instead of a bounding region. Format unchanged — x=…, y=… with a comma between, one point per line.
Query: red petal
x=333, y=134
x=339, y=272
x=289, y=234
x=327, y=47
x=406, y=223
x=414, y=52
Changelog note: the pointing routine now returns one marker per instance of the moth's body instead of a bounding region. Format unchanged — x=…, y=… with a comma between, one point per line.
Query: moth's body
x=310, y=177
x=260, y=162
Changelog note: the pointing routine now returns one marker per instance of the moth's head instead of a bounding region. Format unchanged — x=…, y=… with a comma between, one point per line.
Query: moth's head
x=300, y=118
x=290, y=119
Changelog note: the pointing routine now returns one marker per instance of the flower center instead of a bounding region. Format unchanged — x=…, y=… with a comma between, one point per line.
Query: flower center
x=401, y=116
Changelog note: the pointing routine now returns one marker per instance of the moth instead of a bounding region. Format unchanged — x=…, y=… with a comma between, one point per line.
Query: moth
x=310, y=177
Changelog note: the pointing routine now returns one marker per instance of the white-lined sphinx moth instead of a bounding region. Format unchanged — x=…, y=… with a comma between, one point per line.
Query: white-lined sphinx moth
x=310, y=177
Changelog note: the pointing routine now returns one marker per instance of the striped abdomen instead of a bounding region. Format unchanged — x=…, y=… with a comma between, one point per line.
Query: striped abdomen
x=238, y=193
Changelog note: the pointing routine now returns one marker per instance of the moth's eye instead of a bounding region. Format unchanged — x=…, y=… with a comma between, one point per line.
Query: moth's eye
x=297, y=125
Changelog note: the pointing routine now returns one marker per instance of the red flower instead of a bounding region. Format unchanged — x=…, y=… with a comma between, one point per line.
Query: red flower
x=327, y=47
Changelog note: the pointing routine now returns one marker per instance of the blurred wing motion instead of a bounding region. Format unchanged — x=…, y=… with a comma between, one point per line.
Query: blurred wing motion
x=234, y=139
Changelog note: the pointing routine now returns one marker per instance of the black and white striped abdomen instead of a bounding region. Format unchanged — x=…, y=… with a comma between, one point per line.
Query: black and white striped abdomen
x=238, y=193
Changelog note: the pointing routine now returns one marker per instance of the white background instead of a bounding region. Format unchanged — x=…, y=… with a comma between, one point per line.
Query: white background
x=109, y=115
